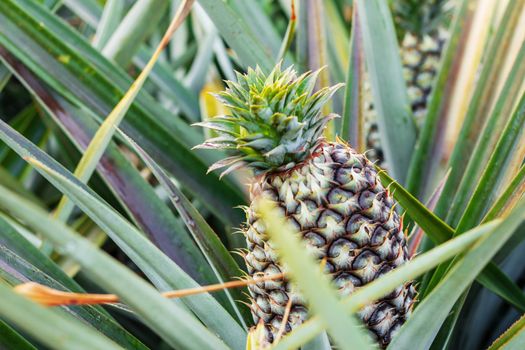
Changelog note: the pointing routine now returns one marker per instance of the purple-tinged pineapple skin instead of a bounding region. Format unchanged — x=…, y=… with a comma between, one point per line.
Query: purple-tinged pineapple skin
x=336, y=201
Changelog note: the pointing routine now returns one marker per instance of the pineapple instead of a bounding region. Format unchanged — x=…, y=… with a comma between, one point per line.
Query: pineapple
x=328, y=191
x=421, y=48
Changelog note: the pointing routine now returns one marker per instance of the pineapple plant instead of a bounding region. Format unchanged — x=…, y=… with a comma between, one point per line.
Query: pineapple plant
x=423, y=25
x=331, y=194
x=134, y=261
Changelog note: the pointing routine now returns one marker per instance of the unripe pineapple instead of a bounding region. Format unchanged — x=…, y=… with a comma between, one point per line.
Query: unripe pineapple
x=421, y=57
x=421, y=48
x=330, y=193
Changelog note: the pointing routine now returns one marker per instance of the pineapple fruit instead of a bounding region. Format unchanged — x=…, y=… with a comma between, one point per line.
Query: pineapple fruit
x=421, y=48
x=328, y=191
x=420, y=58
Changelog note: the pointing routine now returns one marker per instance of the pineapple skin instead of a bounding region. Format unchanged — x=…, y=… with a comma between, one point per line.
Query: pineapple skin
x=347, y=218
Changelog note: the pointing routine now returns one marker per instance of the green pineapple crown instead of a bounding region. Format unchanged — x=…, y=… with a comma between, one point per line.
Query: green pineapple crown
x=275, y=120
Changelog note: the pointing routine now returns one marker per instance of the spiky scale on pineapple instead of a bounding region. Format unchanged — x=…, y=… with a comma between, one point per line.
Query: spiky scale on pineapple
x=330, y=193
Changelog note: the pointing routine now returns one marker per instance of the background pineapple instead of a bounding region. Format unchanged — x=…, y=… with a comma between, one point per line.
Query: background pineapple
x=423, y=28
x=329, y=192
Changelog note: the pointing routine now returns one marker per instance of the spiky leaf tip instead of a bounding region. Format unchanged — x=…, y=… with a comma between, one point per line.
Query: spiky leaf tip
x=275, y=120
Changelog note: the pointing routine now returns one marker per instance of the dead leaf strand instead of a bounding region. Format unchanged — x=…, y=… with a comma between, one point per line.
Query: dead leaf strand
x=52, y=297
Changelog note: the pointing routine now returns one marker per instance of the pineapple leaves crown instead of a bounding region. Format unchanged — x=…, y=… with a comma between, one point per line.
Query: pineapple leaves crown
x=275, y=120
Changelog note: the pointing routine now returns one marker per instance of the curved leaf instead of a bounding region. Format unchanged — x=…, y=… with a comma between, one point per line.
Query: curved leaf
x=74, y=69
x=11, y=338
x=220, y=260
x=172, y=322
x=439, y=232
x=157, y=266
x=513, y=338
x=20, y=262
x=427, y=319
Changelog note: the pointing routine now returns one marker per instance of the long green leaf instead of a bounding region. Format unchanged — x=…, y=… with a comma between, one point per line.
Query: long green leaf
x=9, y=338
x=9, y=181
x=513, y=338
x=157, y=266
x=301, y=46
x=163, y=78
x=439, y=232
x=427, y=319
x=338, y=53
x=89, y=10
x=396, y=126
x=28, y=123
x=235, y=30
x=288, y=36
x=5, y=75
x=516, y=185
x=172, y=322
x=252, y=13
x=113, y=10
x=196, y=77
x=220, y=260
x=318, y=53
x=20, y=258
x=353, y=121
x=507, y=201
x=70, y=65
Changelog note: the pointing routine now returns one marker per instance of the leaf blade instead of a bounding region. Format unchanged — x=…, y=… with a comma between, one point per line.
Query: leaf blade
x=396, y=126
x=157, y=312
x=435, y=308
x=157, y=266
